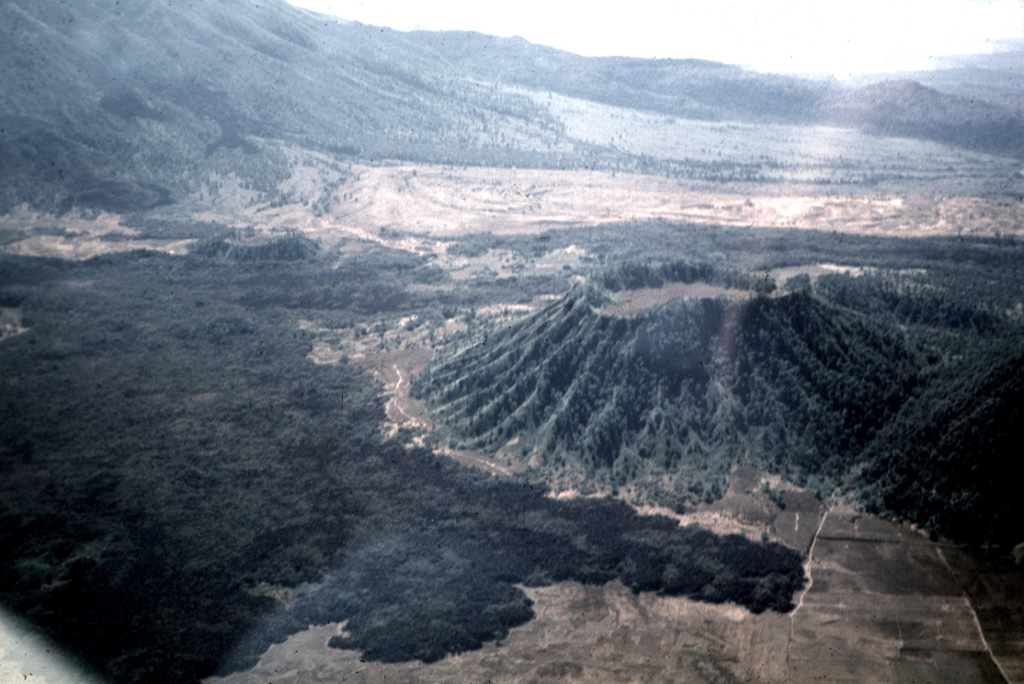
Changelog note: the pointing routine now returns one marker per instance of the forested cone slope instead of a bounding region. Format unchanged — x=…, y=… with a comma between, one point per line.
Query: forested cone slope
x=903, y=386
x=950, y=460
x=792, y=383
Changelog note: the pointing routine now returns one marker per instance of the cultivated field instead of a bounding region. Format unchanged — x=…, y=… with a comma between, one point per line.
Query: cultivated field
x=883, y=606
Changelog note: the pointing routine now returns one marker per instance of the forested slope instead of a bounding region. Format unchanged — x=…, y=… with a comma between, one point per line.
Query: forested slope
x=699, y=89
x=127, y=106
x=948, y=460
x=889, y=393
x=792, y=383
x=691, y=88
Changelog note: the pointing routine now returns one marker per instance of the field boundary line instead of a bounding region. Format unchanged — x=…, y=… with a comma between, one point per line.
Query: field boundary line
x=810, y=582
x=977, y=622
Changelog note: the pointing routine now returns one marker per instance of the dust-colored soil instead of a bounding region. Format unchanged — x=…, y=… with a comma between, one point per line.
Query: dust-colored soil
x=814, y=271
x=395, y=369
x=491, y=465
x=10, y=322
x=427, y=204
x=632, y=302
x=86, y=247
x=749, y=506
x=74, y=236
x=581, y=634
x=450, y=201
x=996, y=590
x=883, y=606
x=745, y=509
x=496, y=261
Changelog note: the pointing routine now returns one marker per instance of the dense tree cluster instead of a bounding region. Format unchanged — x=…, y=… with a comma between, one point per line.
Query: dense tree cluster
x=946, y=462
x=632, y=275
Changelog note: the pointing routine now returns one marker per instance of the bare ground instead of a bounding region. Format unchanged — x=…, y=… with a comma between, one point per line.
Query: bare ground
x=395, y=369
x=996, y=592
x=630, y=303
x=450, y=201
x=581, y=634
x=10, y=322
x=437, y=202
x=74, y=236
x=883, y=606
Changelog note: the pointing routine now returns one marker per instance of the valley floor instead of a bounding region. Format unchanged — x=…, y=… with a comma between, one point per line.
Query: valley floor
x=431, y=203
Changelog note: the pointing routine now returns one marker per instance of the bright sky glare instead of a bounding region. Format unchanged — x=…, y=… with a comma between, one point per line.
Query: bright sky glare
x=785, y=36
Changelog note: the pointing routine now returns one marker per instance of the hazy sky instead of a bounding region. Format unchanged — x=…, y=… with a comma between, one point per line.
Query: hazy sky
x=792, y=36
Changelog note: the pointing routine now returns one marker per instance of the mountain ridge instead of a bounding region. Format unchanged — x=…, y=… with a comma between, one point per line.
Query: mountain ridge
x=128, y=108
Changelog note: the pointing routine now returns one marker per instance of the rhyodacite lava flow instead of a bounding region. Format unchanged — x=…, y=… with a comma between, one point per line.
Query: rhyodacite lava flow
x=333, y=352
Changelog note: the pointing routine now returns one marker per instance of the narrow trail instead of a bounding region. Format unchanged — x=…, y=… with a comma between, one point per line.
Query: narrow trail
x=394, y=402
x=475, y=460
x=810, y=582
x=977, y=622
x=401, y=417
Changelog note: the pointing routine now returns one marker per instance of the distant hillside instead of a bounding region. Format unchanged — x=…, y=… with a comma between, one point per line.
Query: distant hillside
x=997, y=77
x=708, y=90
x=689, y=88
x=909, y=109
x=125, y=106
x=130, y=106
